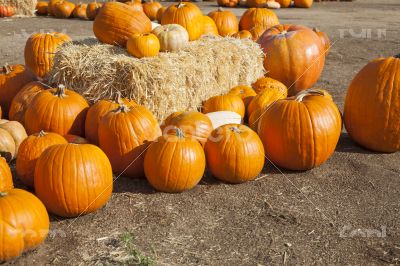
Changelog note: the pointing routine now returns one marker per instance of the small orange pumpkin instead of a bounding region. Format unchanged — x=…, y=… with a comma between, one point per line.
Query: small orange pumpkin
x=71, y=188
x=124, y=135
x=235, y=154
x=24, y=223
x=284, y=3
x=227, y=102
x=193, y=125
x=12, y=80
x=301, y=132
x=40, y=49
x=245, y=92
x=266, y=83
x=228, y=3
x=6, y=11
x=63, y=9
x=227, y=22
x=303, y=3
x=42, y=8
x=151, y=8
x=80, y=11
x=160, y=13
x=261, y=17
x=143, y=45
x=93, y=9
x=180, y=163
x=30, y=150
x=75, y=139
x=57, y=110
x=243, y=34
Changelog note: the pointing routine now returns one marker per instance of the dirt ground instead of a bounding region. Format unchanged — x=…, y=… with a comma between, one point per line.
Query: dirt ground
x=323, y=216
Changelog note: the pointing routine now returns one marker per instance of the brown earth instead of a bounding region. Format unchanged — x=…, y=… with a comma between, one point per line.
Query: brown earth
x=283, y=217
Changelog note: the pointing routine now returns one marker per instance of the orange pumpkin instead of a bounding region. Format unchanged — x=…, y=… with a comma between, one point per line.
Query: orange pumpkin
x=187, y=15
x=151, y=8
x=124, y=135
x=12, y=80
x=6, y=181
x=372, y=106
x=193, y=125
x=40, y=49
x=6, y=11
x=80, y=11
x=93, y=9
x=143, y=45
x=267, y=83
x=51, y=5
x=160, y=13
x=326, y=42
x=256, y=32
x=227, y=22
x=30, y=150
x=284, y=3
x=137, y=6
x=57, y=110
x=228, y=3
x=73, y=179
x=303, y=3
x=24, y=223
x=255, y=118
x=117, y=22
x=235, y=154
x=180, y=163
x=209, y=26
x=256, y=3
x=96, y=113
x=261, y=17
x=301, y=132
x=227, y=102
x=266, y=98
x=63, y=9
x=245, y=92
x=284, y=44
x=243, y=34
x=42, y=8
x=22, y=100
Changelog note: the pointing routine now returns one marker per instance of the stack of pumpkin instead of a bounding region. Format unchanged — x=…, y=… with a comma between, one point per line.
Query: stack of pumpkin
x=272, y=4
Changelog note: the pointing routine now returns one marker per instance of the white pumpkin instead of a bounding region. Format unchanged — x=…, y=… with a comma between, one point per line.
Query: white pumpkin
x=154, y=25
x=221, y=118
x=273, y=5
x=173, y=37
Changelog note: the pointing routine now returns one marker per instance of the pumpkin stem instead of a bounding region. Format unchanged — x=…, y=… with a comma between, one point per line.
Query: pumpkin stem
x=42, y=133
x=315, y=29
x=60, y=92
x=7, y=69
x=181, y=4
x=179, y=133
x=397, y=56
x=235, y=129
x=3, y=194
x=309, y=92
x=123, y=108
x=220, y=9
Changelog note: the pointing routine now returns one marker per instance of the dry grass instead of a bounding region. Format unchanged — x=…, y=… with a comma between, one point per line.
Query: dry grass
x=164, y=84
x=23, y=7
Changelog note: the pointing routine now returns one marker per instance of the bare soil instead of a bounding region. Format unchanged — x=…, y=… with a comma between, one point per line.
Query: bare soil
x=293, y=218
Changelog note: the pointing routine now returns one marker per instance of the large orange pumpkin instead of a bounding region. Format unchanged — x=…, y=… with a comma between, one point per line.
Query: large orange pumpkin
x=12, y=79
x=6, y=181
x=24, y=223
x=40, y=49
x=151, y=8
x=57, y=110
x=234, y=153
x=227, y=102
x=174, y=163
x=117, y=22
x=193, y=124
x=294, y=55
x=187, y=15
x=372, y=106
x=30, y=150
x=73, y=179
x=261, y=17
x=301, y=132
x=326, y=42
x=227, y=22
x=96, y=113
x=210, y=28
x=22, y=100
x=124, y=135
x=266, y=98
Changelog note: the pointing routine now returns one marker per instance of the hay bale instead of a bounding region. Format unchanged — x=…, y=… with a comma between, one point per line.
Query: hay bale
x=164, y=84
x=22, y=7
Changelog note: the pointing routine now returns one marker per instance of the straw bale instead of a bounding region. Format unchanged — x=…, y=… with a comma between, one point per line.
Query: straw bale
x=23, y=7
x=164, y=84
